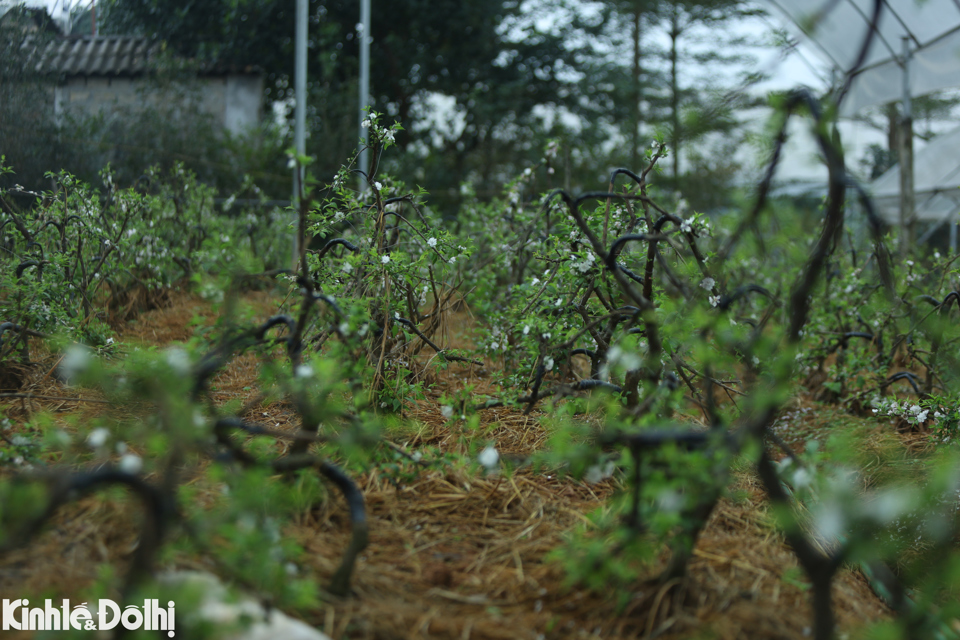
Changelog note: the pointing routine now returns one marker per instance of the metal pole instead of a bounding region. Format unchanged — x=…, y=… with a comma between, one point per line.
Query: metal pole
x=907, y=204
x=300, y=108
x=300, y=86
x=364, y=28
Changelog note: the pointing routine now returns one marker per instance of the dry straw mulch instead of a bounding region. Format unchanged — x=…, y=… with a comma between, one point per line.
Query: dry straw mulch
x=458, y=556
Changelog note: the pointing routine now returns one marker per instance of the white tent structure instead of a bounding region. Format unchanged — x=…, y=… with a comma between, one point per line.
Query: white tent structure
x=936, y=189
x=927, y=32
x=915, y=50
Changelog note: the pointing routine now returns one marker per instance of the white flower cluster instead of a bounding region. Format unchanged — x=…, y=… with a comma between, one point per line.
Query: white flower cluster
x=912, y=413
x=620, y=219
x=499, y=340
x=584, y=265
x=551, y=151
x=617, y=358
x=598, y=473
x=698, y=225
x=378, y=132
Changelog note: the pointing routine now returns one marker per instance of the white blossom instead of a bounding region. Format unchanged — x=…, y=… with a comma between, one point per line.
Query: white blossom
x=179, y=360
x=98, y=437
x=489, y=457
x=596, y=473
x=75, y=361
x=304, y=371
x=432, y=242
x=829, y=520
x=131, y=463
x=384, y=259
x=707, y=283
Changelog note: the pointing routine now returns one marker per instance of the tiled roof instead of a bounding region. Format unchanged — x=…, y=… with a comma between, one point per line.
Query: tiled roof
x=97, y=56
x=108, y=56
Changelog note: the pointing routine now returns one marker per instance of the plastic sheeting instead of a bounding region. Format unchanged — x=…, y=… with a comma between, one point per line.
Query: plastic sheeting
x=936, y=186
x=837, y=28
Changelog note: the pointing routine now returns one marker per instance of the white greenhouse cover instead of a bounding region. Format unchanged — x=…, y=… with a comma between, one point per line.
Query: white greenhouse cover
x=937, y=182
x=933, y=27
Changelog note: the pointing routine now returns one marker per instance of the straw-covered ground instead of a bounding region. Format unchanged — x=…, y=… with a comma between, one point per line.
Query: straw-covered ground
x=453, y=555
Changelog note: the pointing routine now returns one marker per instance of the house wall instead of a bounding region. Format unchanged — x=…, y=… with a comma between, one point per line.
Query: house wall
x=233, y=100
x=244, y=97
x=90, y=95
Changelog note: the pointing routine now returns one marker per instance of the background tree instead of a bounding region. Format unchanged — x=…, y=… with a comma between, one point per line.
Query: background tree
x=492, y=62
x=28, y=130
x=700, y=22
x=479, y=86
x=673, y=70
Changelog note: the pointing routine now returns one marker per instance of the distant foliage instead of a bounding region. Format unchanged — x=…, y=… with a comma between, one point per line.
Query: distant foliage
x=79, y=260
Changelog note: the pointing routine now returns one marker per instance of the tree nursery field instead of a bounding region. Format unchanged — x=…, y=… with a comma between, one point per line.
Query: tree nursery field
x=593, y=415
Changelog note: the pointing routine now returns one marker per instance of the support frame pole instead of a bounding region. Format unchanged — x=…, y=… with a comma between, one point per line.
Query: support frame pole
x=365, y=37
x=907, y=201
x=300, y=110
